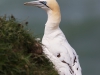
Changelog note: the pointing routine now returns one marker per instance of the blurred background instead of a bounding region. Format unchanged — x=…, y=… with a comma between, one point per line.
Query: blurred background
x=80, y=23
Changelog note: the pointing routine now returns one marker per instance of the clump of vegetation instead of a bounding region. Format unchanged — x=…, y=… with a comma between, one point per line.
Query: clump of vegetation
x=20, y=53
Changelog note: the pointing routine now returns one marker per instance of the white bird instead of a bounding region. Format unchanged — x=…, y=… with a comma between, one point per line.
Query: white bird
x=55, y=44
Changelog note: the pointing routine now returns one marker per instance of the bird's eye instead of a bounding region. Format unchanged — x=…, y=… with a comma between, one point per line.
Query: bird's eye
x=45, y=3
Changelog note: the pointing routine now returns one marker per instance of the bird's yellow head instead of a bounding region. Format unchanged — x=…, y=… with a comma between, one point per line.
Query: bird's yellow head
x=51, y=6
x=44, y=4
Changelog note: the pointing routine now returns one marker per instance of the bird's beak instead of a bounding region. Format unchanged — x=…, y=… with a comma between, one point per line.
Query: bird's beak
x=32, y=3
x=39, y=4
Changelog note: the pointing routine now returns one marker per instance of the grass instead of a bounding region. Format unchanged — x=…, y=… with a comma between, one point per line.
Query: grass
x=20, y=52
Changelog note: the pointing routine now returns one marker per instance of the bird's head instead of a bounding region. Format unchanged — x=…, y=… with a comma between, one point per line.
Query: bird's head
x=44, y=4
x=51, y=6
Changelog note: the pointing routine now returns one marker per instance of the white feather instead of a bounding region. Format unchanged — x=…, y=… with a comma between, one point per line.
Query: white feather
x=55, y=44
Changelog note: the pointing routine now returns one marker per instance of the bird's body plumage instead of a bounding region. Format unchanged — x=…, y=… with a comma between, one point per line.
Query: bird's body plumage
x=55, y=44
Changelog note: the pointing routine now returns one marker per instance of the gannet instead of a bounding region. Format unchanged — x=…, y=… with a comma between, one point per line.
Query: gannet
x=55, y=44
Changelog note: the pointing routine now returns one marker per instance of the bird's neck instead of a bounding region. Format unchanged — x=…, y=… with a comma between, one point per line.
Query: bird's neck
x=54, y=18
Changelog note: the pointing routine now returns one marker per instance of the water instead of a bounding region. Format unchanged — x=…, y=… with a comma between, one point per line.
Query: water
x=80, y=23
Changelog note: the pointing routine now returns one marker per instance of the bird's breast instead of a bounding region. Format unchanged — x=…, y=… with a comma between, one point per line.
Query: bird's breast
x=53, y=42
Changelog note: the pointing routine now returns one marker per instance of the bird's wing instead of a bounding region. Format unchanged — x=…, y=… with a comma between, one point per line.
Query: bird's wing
x=74, y=64
x=62, y=68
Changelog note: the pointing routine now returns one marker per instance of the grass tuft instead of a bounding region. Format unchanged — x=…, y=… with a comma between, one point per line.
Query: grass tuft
x=20, y=53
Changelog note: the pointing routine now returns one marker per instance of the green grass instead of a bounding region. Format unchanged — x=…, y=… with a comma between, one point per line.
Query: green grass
x=20, y=53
